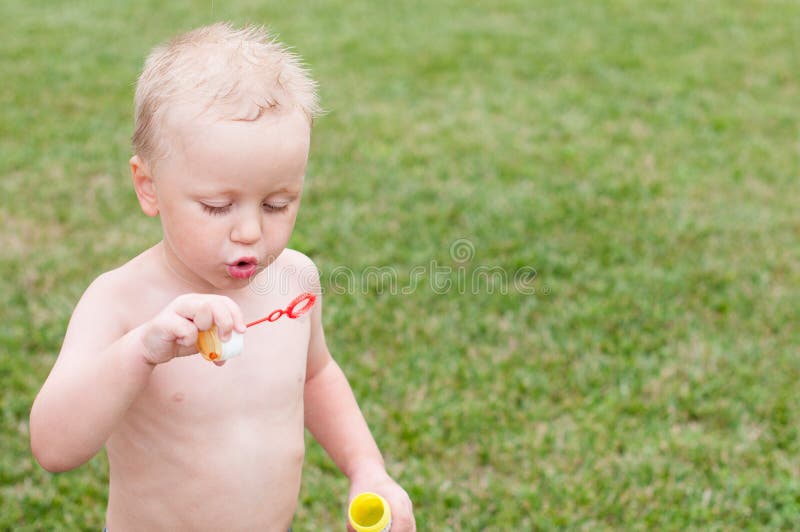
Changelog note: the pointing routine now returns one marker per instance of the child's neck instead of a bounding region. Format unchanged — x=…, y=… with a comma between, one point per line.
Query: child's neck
x=180, y=279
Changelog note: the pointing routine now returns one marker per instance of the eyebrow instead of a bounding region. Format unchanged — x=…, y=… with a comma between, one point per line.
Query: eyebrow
x=234, y=192
x=284, y=190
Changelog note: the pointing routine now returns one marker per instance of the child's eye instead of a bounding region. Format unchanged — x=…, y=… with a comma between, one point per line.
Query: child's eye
x=212, y=209
x=275, y=207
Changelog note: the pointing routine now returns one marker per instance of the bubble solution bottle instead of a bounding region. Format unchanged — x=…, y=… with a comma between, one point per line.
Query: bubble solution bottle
x=369, y=512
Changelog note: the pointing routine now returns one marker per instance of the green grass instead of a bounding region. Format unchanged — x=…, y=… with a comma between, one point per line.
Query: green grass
x=643, y=157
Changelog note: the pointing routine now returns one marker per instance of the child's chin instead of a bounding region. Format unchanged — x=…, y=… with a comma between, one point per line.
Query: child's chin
x=227, y=282
x=233, y=282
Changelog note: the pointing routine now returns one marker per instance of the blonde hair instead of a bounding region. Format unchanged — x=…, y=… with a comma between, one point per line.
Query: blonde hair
x=240, y=73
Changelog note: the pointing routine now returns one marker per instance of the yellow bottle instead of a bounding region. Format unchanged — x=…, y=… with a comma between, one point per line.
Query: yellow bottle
x=369, y=512
x=212, y=348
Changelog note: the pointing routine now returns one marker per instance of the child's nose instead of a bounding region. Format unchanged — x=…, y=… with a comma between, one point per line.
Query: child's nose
x=247, y=230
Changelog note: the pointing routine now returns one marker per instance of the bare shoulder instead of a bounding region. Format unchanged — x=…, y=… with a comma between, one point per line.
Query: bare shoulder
x=298, y=266
x=292, y=257
x=115, y=283
x=114, y=298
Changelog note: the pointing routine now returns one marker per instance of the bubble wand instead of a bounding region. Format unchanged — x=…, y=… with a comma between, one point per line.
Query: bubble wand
x=210, y=346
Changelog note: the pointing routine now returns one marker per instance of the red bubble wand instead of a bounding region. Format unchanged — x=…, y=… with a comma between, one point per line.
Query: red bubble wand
x=292, y=311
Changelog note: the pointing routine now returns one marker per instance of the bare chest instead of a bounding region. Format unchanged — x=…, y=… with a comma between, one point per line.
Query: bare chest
x=266, y=379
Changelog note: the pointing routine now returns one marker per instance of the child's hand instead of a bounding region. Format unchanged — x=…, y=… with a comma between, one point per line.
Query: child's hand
x=173, y=332
x=378, y=481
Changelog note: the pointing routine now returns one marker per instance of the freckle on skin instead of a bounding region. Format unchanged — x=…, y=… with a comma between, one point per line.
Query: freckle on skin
x=177, y=397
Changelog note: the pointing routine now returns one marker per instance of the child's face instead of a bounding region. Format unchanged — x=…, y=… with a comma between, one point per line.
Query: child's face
x=228, y=196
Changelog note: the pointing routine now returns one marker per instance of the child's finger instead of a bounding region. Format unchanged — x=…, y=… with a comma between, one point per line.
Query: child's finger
x=184, y=331
x=224, y=321
x=236, y=315
x=170, y=335
x=189, y=306
x=203, y=317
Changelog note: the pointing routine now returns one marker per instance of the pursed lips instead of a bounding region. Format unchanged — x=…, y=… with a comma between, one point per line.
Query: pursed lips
x=243, y=267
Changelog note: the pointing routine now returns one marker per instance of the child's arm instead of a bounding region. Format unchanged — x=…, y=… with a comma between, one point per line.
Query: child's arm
x=101, y=369
x=336, y=422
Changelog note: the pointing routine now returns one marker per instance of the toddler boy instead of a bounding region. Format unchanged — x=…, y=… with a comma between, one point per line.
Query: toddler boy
x=223, y=120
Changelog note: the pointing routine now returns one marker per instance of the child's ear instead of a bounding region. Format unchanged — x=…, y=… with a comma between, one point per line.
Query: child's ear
x=144, y=186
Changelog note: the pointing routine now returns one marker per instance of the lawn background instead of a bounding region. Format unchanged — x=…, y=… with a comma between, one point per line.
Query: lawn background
x=642, y=157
